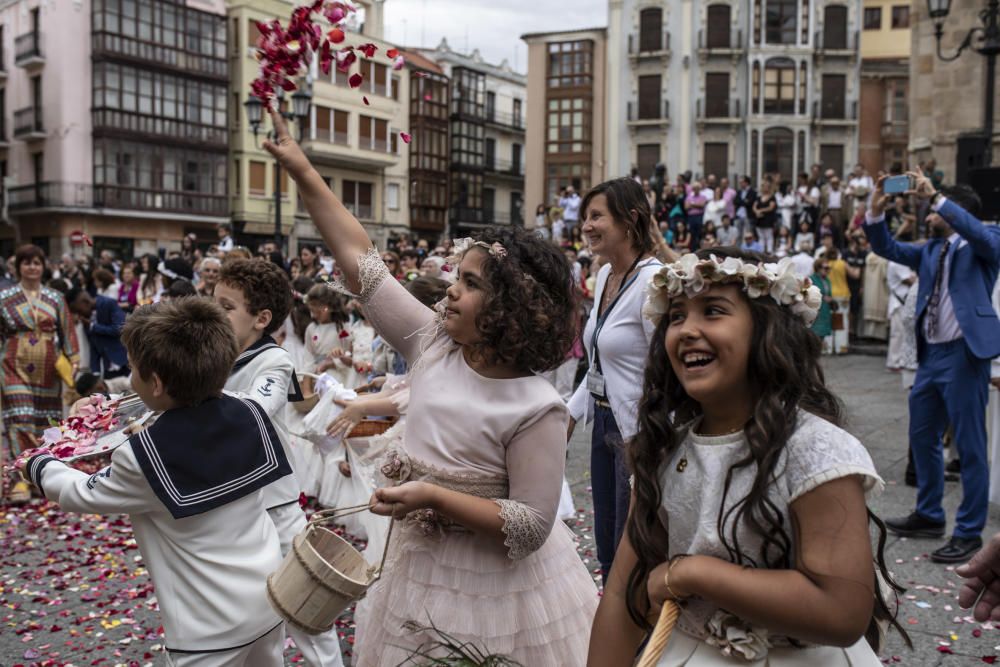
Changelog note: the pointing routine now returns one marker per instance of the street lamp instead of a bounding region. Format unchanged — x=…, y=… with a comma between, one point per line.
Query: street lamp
x=987, y=38
x=301, y=102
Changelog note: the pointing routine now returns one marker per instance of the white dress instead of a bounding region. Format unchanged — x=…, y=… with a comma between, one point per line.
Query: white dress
x=816, y=453
x=530, y=598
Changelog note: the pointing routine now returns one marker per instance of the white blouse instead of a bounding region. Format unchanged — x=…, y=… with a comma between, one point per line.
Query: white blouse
x=624, y=345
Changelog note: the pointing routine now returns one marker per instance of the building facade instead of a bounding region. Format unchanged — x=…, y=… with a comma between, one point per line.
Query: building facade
x=727, y=87
x=113, y=122
x=947, y=98
x=430, y=150
x=486, y=140
x=351, y=136
x=883, y=123
x=566, y=96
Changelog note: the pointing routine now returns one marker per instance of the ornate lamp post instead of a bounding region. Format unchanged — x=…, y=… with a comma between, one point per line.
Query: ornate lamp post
x=984, y=40
x=301, y=102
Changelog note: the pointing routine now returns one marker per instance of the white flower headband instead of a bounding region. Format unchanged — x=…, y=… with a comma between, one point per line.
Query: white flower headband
x=461, y=246
x=692, y=276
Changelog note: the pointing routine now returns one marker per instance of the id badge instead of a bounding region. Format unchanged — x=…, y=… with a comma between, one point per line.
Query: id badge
x=595, y=382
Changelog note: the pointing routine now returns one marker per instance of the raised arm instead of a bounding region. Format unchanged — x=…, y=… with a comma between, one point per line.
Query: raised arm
x=877, y=231
x=396, y=315
x=341, y=231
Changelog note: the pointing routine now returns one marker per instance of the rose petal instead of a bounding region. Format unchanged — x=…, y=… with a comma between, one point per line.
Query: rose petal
x=405, y=137
x=356, y=80
x=336, y=35
x=392, y=53
x=365, y=100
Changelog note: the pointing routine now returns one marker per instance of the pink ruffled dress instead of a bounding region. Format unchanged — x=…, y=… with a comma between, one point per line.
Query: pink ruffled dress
x=531, y=600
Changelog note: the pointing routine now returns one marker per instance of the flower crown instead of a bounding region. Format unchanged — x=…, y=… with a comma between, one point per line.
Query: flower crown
x=461, y=246
x=692, y=276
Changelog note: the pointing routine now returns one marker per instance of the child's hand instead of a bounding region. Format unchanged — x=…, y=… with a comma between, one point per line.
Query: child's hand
x=374, y=385
x=662, y=576
x=398, y=501
x=85, y=401
x=286, y=150
x=345, y=468
x=346, y=420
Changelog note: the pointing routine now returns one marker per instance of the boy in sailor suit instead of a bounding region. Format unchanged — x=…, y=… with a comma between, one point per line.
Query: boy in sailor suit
x=192, y=484
x=256, y=296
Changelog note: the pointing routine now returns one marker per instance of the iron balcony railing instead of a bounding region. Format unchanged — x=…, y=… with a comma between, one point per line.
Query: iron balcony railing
x=27, y=47
x=711, y=40
x=28, y=121
x=637, y=112
x=659, y=45
x=61, y=194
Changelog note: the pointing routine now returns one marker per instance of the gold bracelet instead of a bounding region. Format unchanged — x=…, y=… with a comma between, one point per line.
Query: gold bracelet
x=666, y=578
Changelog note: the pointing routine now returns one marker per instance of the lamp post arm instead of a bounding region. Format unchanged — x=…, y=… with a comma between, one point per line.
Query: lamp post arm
x=966, y=43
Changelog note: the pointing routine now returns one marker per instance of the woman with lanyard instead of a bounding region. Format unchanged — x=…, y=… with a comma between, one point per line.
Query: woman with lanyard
x=617, y=225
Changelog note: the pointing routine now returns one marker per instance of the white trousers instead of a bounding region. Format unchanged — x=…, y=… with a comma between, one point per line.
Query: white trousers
x=264, y=652
x=317, y=650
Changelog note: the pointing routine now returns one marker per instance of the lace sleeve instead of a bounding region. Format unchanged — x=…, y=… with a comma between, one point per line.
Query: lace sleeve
x=371, y=273
x=520, y=525
x=394, y=313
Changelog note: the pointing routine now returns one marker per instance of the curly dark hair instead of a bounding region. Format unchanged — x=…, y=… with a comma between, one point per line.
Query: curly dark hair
x=264, y=286
x=527, y=319
x=785, y=376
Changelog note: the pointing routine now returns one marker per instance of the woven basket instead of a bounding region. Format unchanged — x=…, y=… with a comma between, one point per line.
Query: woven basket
x=321, y=575
x=366, y=428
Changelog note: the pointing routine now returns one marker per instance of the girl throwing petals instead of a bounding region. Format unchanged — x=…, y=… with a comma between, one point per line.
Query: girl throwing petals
x=479, y=468
x=748, y=505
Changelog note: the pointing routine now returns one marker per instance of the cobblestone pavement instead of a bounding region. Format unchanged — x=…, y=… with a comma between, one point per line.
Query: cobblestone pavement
x=73, y=589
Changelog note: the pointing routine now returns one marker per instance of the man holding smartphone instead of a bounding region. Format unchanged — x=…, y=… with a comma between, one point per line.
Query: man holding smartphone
x=958, y=333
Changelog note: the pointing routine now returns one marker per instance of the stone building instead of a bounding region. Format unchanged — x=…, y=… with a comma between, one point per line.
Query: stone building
x=566, y=113
x=727, y=87
x=113, y=123
x=946, y=98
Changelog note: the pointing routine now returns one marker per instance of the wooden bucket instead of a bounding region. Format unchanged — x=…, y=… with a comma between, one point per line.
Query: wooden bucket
x=321, y=575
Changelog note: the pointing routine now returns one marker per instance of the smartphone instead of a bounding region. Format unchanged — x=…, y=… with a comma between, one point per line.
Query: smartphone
x=895, y=185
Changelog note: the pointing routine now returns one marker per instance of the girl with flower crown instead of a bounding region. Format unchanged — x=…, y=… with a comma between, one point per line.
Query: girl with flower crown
x=478, y=472
x=748, y=505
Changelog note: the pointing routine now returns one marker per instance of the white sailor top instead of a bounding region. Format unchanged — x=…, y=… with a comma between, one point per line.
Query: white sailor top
x=265, y=374
x=192, y=486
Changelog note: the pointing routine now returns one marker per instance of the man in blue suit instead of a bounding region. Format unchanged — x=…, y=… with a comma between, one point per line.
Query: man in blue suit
x=958, y=333
x=102, y=319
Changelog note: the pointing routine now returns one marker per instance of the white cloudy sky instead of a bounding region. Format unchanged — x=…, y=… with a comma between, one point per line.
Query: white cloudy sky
x=492, y=26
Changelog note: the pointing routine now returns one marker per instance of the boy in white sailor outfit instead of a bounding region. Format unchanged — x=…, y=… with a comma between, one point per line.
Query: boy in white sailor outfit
x=192, y=484
x=257, y=297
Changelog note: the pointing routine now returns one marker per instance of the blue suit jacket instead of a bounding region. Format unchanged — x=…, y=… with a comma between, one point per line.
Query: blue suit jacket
x=105, y=331
x=974, y=263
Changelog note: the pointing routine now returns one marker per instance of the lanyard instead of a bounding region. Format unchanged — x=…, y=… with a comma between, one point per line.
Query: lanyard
x=603, y=317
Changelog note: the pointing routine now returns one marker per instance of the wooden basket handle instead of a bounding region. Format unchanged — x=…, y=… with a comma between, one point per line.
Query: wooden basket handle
x=324, y=516
x=661, y=635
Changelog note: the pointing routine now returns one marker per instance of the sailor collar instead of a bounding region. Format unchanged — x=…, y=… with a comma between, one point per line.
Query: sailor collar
x=261, y=346
x=205, y=456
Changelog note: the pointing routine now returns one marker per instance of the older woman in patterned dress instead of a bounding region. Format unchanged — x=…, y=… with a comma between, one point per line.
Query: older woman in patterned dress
x=36, y=327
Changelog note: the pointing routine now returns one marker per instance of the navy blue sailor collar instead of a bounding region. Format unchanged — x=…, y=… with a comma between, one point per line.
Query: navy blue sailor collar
x=263, y=345
x=205, y=456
